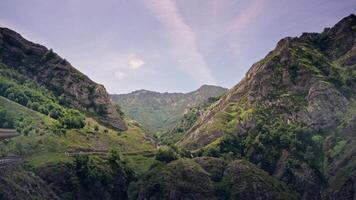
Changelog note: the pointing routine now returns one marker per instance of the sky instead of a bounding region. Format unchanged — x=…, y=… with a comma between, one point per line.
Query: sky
x=167, y=45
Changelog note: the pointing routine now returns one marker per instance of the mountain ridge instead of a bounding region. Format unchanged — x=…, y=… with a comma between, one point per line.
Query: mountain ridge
x=47, y=68
x=148, y=107
x=293, y=114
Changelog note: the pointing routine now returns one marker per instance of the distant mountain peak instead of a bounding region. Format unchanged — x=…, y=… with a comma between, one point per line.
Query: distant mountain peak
x=206, y=86
x=158, y=111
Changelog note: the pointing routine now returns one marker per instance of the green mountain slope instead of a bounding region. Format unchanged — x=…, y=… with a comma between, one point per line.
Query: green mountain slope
x=159, y=112
x=293, y=114
x=69, y=86
x=72, y=138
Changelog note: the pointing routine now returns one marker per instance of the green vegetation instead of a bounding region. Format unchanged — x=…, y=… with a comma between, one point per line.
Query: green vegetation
x=285, y=132
x=6, y=121
x=72, y=119
x=264, y=144
x=97, y=173
x=42, y=145
x=19, y=89
x=208, y=178
x=178, y=132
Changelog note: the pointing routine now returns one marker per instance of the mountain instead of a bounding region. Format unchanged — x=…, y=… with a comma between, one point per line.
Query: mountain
x=72, y=143
x=293, y=114
x=159, y=112
x=71, y=87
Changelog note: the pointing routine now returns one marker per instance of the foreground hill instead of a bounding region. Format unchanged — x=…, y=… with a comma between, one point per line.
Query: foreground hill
x=161, y=111
x=293, y=114
x=210, y=178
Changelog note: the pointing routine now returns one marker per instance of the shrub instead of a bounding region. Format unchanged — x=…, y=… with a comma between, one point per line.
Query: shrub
x=48, y=55
x=212, y=152
x=72, y=119
x=114, y=157
x=101, y=110
x=166, y=155
x=6, y=121
x=55, y=113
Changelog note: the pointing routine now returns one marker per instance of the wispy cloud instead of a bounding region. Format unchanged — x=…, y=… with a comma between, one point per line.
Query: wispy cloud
x=240, y=24
x=246, y=17
x=186, y=51
x=120, y=75
x=135, y=63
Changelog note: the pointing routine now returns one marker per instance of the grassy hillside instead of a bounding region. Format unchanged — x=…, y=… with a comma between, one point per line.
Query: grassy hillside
x=55, y=157
x=40, y=145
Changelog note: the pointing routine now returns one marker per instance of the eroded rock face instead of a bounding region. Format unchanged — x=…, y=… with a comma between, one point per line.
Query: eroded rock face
x=325, y=105
x=72, y=88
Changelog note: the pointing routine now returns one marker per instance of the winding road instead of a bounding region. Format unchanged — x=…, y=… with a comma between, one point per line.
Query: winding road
x=9, y=160
x=8, y=133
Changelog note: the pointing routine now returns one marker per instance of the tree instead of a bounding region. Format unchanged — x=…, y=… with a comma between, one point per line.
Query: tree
x=6, y=121
x=55, y=113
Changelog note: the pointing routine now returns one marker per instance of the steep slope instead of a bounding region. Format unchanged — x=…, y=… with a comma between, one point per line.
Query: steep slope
x=293, y=114
x=161, y=111
x=69, y=86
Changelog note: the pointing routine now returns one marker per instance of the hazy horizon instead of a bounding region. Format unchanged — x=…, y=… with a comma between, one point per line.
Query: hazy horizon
x=167, y=46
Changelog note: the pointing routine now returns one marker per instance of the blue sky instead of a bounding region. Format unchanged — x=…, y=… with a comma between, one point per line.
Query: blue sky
x=167, y=45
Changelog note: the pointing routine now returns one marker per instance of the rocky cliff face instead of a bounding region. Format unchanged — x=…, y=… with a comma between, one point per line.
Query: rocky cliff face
x=290, y=113
x=71, y=87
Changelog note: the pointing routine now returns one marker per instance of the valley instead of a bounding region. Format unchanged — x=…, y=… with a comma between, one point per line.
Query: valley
x=285, y=131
